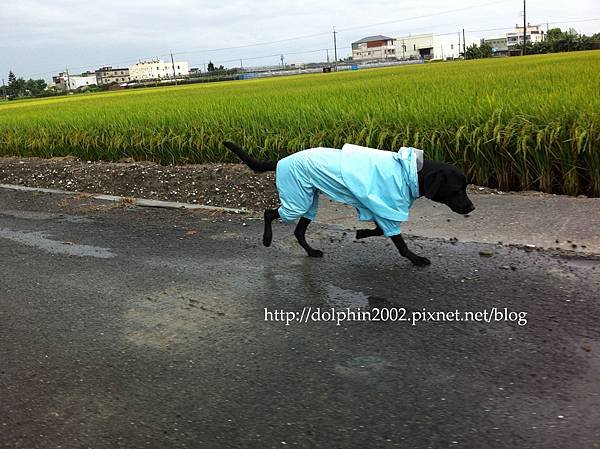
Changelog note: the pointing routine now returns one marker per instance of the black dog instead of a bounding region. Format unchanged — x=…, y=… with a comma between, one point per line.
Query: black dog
x=437, y=181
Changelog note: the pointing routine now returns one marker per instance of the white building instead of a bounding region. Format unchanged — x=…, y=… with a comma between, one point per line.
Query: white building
x=430, y=46
x=64, y=81
x=373, y=47
x=534, y=34
x=157, y=69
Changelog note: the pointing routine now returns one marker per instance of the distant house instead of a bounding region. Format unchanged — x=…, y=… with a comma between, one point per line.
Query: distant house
x=430, y=47
x=373, y=47
x=65, y=81
x=533, y=34
x=108, y=75
x=499, y=45
x=157, y=69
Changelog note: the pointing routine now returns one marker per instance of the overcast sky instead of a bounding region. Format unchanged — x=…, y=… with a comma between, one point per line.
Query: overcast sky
x=38, y=38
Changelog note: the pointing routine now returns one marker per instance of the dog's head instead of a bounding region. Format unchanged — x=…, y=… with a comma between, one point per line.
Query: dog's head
x=444, y=183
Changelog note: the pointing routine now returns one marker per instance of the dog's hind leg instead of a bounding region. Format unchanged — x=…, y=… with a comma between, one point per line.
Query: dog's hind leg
x=364, y=233
x=270, y=215
x=404, y=251
x=300, y=233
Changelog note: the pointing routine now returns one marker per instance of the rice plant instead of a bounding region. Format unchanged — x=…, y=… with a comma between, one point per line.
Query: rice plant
x=513, y=123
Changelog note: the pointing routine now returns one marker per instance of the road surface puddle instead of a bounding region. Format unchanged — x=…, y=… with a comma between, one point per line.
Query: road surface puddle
x=40, y=240
x=31, y=215
x=340, y=297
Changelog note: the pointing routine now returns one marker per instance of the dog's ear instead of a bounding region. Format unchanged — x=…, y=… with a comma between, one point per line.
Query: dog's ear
x=433, y=182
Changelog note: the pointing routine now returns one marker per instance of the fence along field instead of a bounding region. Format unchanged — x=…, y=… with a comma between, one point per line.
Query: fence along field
x=512, y=123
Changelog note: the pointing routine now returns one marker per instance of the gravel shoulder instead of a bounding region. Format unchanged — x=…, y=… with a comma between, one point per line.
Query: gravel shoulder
x=225, y=185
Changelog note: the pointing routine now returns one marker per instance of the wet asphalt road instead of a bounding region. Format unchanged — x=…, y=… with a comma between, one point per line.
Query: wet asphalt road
x=145, y=328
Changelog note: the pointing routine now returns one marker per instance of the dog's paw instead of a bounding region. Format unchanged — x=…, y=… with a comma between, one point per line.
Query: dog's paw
x=361, y=234
x=420, y=261
x=315, y=253
x=267, y=239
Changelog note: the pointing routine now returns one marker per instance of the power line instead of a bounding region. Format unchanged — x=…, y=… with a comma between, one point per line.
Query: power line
x=287, y=39
x=574, y=21
x=72, y=68
x=277, y=55
x=258, y=44
x=406, y=19
x=448, y=11
x=84, y=67
x=549, y=23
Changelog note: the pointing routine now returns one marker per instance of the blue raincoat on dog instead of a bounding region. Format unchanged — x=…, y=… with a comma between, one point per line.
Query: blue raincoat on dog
x=381, y=185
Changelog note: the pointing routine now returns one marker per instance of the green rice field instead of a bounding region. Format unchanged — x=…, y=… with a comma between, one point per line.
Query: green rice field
x=512, y=123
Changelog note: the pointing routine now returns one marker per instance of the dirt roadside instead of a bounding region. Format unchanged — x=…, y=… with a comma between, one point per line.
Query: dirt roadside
x=225, y=185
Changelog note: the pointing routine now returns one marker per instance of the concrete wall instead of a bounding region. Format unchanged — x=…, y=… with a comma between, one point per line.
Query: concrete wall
x=157, y=69
x=411, y=47
x=75, y=82
x=430, y=46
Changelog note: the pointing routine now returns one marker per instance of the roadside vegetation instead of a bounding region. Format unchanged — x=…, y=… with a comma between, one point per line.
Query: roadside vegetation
x=513, y=123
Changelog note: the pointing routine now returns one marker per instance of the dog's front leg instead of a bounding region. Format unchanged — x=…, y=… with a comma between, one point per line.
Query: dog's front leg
x=364, y=233
x=300, y=233
x=270, y=215
x=404, y=251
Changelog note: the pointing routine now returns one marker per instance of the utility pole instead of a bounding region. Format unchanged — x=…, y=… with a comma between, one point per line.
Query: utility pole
x=173, y=65
x=68, y=80
x=524, y=29
x=282, y=64
x=459, y=44
x=464, y=45
x=241, y=65
x=327, y=55
x=335, y=48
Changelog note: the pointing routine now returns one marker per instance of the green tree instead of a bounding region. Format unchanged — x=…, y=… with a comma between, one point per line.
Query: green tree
x=554, y=34
x=16, y=86
x=558, y=41
x=35, y=87
x=475, y=52
x=210, y=67
x=472, y=52
x=485, y=51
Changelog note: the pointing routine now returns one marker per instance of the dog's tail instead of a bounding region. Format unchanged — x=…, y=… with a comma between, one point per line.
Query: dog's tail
x=254, y=164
